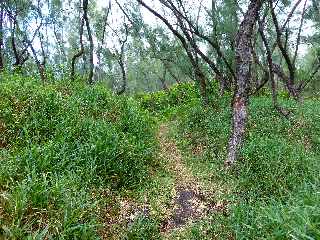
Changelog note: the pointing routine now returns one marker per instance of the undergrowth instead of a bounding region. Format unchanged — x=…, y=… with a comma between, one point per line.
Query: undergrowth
x=65, y=148
x=60, y=145
x=273, y=186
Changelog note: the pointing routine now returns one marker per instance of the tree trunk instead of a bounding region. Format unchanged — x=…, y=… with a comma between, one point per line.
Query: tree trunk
x=167, y=68
x=1, y=39
x=243, y=77
x=202, y=81
x=124, y=76
x=163, y=80
x=85, y=16
x=41, y=66
x=191, y=49
x=79, y=53
x=121, y=62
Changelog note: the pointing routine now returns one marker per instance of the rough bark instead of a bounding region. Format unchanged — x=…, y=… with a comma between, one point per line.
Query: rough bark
x=243, y=76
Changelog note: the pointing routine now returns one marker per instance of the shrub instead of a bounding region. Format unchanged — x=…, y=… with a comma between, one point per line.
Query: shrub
x=176, y=96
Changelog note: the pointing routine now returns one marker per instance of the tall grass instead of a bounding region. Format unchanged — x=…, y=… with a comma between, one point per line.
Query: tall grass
x=274, y=185
x=60, y=145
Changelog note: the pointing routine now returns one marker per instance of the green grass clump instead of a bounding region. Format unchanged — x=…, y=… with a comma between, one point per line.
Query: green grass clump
x=59, y=143
x=273, y=186
x=167, y=102
x=143, y=229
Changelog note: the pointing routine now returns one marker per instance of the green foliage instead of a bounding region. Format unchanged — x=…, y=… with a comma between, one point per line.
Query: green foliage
x=275, y=179
x=60, y=142
x=163, y=102
x=63, y=144
x=298, y=217
x=143, y=229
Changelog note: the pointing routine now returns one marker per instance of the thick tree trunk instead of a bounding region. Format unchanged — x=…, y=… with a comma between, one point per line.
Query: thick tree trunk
x=243, y=76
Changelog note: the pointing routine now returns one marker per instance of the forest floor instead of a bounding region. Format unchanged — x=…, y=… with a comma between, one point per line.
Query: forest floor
x=191, y=202
x=94, y=166
x=176, y=204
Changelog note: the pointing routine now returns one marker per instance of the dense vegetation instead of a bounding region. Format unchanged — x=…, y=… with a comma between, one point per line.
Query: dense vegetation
x=163, y=119
x=61, y=145
x=68, y=149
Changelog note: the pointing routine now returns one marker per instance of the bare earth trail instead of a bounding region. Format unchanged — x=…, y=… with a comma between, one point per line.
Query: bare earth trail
x=191, y=201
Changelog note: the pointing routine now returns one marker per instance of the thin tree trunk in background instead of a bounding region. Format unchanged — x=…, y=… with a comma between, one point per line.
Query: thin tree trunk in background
x=178, y=81
x=124, y=76
x=91, y=65
x=270, y=64
x=100, y=45
x=201, y=79
x=59, y=40
x=79, y=53
x=163, y=80
x=40, y=65
x=19, y=59
x=290, y=64
x=167, y=68
x=298, y=41
x=1, y=39
x=190, y=51
x=121, y=63
x=243, y=76
x=271, y=72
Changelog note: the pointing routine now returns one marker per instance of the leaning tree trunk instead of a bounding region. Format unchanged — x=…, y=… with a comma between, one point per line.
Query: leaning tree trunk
x=40, y=66
x=243, y=76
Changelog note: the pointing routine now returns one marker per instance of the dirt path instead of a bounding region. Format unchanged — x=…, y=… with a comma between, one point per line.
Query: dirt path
x=190, y=202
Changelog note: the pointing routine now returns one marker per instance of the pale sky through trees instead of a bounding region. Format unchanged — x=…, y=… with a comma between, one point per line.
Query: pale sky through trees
x=152, y=20
x=117, y=17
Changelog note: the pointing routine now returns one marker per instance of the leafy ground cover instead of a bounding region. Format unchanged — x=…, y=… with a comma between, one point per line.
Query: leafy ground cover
x=78, y=162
